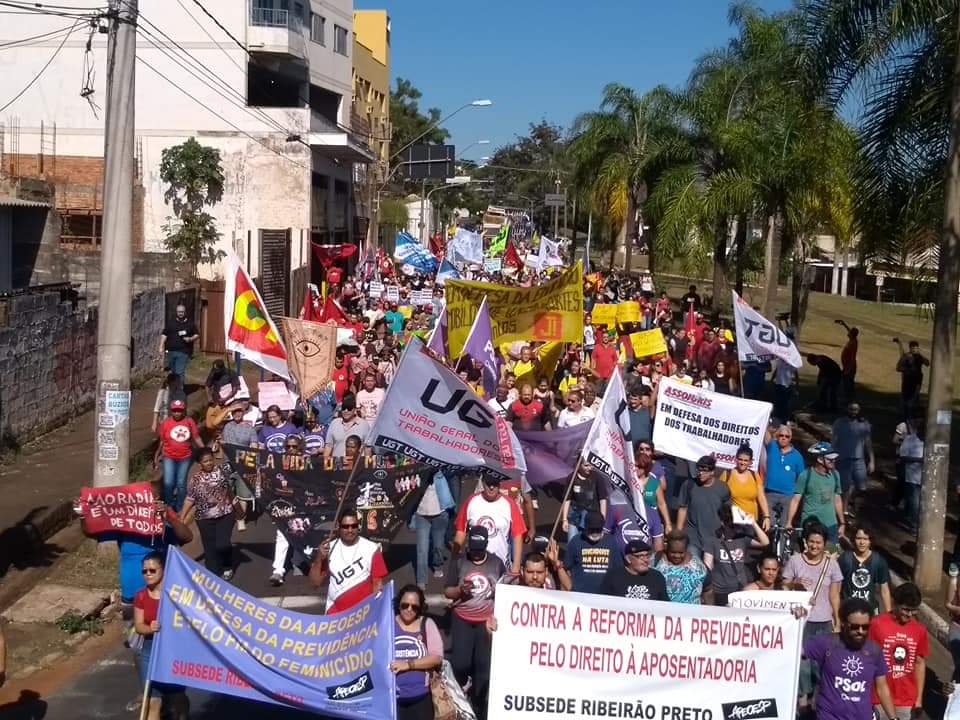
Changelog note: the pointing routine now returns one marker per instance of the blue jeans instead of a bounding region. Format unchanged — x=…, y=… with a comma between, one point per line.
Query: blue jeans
x=576, y=519
x=430, y=536
x=177, y=362
x=912, y=493
x=175, y=481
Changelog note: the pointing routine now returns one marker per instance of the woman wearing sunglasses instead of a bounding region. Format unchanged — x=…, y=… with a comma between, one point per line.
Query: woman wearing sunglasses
x=146, y=606
x=417, y=650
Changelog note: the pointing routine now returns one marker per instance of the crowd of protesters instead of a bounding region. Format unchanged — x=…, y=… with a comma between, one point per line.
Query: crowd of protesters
x=708, y=532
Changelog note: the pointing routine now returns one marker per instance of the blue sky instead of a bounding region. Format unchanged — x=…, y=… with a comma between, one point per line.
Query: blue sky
x=537, y=59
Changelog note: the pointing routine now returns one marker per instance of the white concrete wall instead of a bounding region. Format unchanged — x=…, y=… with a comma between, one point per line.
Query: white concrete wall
x=266, y=187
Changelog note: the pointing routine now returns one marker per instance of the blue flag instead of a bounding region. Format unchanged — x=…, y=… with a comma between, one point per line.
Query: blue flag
x=479, y=346
x=217, y=638
x=412, y=253
x=447, y=272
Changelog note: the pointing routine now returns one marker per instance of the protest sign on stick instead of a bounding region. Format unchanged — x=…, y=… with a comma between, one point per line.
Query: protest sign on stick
x=122, y=508
x=647, y=343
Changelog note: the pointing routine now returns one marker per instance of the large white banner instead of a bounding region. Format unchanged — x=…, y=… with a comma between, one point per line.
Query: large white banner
x=465, y=247
x=758, y=339
x=430, y=415
x=562, y=655
x=692, y=422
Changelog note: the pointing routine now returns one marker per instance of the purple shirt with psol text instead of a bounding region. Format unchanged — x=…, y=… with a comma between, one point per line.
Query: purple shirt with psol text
x=846, y=677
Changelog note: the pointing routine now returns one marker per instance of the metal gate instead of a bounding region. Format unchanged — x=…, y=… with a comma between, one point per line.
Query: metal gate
x=275, y=271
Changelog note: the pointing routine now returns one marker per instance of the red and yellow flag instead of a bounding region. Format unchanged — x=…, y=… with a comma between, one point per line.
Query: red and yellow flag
x=248, y=328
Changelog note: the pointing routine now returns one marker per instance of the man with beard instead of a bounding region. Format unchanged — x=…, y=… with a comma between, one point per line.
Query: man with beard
x=634, y=578
x=528, y=413
x=851, y=668
x=904, y=643
x=470, y=583
x=353, y=564
x=589, y=555
x=499, y=516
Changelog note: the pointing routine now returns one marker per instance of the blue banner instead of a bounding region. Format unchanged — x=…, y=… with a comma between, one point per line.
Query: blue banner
x=218, y=638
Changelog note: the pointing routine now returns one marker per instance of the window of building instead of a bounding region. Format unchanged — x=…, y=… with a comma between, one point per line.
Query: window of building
x=318, y=29
x=340, y=40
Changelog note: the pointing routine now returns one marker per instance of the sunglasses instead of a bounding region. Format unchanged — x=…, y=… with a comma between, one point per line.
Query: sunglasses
x=858, y=626
x=410, y=606
x=786, y=435
x=349, y=526
x=150, y=571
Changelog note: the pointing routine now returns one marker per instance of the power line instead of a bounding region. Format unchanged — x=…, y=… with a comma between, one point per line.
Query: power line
x=207, y=33
x=28, y=40
x=41, y=9
x=42, y=70
x=218, y=115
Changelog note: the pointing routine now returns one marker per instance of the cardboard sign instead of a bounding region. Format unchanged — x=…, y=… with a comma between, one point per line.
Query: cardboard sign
x=648, y=342
x=276, y=393
x=493, y=265
x=604, y=314
x=376, y=290
x=123, y=508
x=393, y=293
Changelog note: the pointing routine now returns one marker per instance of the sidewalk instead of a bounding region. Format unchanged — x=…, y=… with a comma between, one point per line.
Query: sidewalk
x=39, y=487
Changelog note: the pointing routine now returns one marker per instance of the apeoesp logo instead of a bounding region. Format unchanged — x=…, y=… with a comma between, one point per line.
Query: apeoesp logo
x=351, y=689
x=690, y=398
x=750, y=709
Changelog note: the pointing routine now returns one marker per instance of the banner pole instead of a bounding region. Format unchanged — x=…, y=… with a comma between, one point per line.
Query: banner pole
x=145, y=704
x=353, y=471
x=740, y=369
x=566, y=496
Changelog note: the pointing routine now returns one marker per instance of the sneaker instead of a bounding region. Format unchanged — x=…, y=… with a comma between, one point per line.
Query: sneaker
x=276, y=579
x=536, y=503
x=227, y=575
x=438, y=573
x=241, y=525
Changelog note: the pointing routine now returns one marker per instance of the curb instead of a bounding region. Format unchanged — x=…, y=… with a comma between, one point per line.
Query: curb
x=935, y=623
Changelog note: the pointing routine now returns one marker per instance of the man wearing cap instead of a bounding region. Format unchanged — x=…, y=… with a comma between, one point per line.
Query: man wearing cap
x=499, y=516
x=634, y=578
x=342, y=427
x=820, y=491
x=589, y=554
x=470, y=583
x=700, y=501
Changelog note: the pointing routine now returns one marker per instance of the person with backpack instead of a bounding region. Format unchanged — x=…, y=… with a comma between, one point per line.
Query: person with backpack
x=746, y=487
x=819, y=494
x=726, y=554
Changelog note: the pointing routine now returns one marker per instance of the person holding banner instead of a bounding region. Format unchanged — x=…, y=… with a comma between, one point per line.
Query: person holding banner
x=146, y=607
x=417, y=651
x=768, y=575
x=634, y=578
x=352, y=565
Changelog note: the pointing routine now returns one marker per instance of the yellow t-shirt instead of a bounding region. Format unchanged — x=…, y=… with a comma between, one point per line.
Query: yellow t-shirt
x=744, y=490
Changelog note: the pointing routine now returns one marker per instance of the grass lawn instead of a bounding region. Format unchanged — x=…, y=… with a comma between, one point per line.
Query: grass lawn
x=878, y=383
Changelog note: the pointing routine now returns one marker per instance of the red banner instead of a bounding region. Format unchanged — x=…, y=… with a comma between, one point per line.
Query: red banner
x=123, y=508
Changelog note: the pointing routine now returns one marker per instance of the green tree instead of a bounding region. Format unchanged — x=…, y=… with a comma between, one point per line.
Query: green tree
x=407, y=119
x=904, y=54
x=194, y=178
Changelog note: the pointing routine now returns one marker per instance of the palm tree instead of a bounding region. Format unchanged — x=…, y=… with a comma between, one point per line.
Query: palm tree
x=905, y=54
x=610, y=151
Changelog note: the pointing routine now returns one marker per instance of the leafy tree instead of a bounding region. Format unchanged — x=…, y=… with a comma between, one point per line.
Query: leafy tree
x=194, y=178
x=407, y=119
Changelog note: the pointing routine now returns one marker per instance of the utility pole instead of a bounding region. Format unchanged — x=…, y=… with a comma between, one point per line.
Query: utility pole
x=111, y=462
x=936, y=450
x=423, y=199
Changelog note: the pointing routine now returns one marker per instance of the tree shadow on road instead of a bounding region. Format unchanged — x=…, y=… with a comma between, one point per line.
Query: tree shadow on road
x=28, y=706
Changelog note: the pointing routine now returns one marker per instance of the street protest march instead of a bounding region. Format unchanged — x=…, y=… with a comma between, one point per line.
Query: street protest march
x=692, y=422
x=218, y=638
x=579, y=655
x=552, y=310
x=300, y=493
x=123, y=508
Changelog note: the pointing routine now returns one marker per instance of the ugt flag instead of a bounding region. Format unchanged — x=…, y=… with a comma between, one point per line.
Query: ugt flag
x=432, y=416
x=217, y=638
x=479, y=346
x=609, y=453
x=758, y=339
x=248, y=328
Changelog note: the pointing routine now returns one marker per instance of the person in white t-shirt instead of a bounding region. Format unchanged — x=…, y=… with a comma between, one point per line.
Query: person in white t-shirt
x=910, y=454
x=352, y=565
x=370, y=398
x=500, y=402
x=575, y=412
x=502, y=519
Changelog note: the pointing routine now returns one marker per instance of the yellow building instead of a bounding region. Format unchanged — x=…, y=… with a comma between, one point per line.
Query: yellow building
x=371, y=83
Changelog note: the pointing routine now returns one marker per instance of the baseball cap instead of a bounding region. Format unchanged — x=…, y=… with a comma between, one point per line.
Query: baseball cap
x=490, y=480
x=477, y=538
x=594, y=520
x=178, y=405
x=635, y=546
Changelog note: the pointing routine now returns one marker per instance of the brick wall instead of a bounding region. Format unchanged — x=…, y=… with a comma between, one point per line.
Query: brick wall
x=48, y=359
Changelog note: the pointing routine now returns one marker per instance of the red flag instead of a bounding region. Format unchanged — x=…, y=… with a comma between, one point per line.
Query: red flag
x=511, y=257
x=311, y=303
x=332, y=311
x=327, y=255
x=438, y=245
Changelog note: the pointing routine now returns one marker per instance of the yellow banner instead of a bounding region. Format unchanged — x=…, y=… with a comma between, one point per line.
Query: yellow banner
x=647, y=343
x=551, y=311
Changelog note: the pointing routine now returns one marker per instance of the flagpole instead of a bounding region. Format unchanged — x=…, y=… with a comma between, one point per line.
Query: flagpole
x=336, y=516
x=145, y=703
x=566, y=496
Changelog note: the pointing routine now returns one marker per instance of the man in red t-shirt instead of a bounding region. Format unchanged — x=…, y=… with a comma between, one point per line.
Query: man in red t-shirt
x=709, y=351
x=177, y=433
x=342, y=377
x=604, y=358
x=527, y=413
x=905, y=646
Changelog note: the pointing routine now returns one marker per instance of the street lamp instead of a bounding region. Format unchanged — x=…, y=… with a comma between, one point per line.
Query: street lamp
x=474, y=103
x=455, y=181
x=478, y=142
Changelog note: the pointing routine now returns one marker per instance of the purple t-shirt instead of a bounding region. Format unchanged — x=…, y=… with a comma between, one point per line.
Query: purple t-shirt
x=411, y=646
x=846, y=677
x=273, y=438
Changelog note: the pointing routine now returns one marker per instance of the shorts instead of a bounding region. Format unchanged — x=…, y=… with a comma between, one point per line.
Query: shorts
x=157, y=689
x=853, y=474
